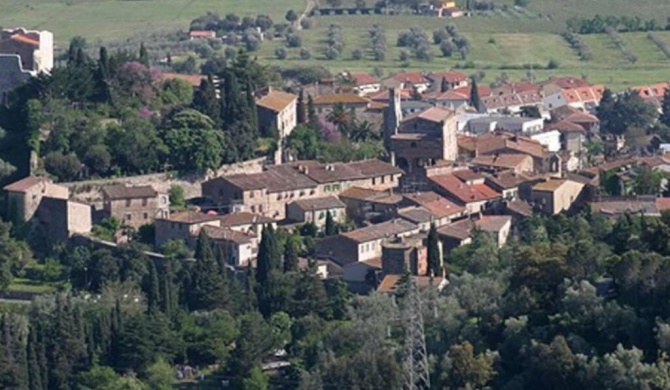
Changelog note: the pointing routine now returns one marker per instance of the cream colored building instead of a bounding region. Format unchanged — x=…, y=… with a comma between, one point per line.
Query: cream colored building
x=555, y=195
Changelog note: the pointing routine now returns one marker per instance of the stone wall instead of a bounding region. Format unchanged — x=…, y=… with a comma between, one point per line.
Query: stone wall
x=89, y=191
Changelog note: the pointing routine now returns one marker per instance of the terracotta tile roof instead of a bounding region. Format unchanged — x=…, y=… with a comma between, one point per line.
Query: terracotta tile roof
x=466, y=175
x=463, y=192
x=467, y=143
x=565, y=126
x=483, y=90
x=416, y=214
x=275, y=179
x=520, y=207
x=582, y=117
x=276, y=101
x=371, y=195
x=504, y=180
x=381, y=230
x=503, y=160
x=202, y=34
x=436, y=204
x=362, y=78
x=501, y=101
x=450, y=75
x=447, y=96
x=243, y=218
x=463, y=229
x=583, y=94
x=550, y=185
x=616, y=206
x=435, y=114
x=226, y=234
x=129, y=192
x=567, y=82
x=193, y=79
x=651, y=91
x=383, y=95
x=25, y=184
x=343, y=98
x=25, y=39
x=325, y=203
x=373, y=167
x=497, y=142
x=413, y=78
x=191, y=217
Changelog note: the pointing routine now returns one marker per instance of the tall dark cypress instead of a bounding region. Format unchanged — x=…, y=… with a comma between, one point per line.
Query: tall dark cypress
x=312, y=119
x=168, y=289
x=252, y=112
x=444, y=86
x=233, y=105
x=475, y=101
x=102, y=76
x=205, y=101
x=144, y=55
x=301, y=108
x=331, y=229
x=291, y=254
x=208, y=289
x=34, y=367
x=434, y=260
x=269, y=259
x=152, y=289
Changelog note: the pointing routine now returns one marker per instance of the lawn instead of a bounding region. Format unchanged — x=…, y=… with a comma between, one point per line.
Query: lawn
x=118, y=19
x=30, y=286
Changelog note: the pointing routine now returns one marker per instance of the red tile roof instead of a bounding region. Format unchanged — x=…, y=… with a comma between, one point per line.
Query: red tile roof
x=202, y=34
x=433, y=114
x=447, y=96
x=381, y=230
x=565, y=126
x=482, y=89
x=243, y=218
x=25, y=184
x=121, y=191
x=436, y=204
x=499, y=142
x=383, y=95
x=463, y=192
x=413, y=78
x=450, y=75
x=503, y=160
x=362, y=78
x=662, y=204
x=191, y=217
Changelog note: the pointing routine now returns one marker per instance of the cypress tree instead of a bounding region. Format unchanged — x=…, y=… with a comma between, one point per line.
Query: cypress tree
x=330, y=225
x=34, y=368
x=233, y=105
x=251, y=299
x=144, y=56
x=291, y=254
x=665, y=107
x=475, y=101
x=301, y=114
x=168, y=59
x=434, y=260
x=102, y=75
x=444, y=87
x=152, y=289
x=204, y=100
x=268, y=263
x=252, y=112
x=312, y=119
x=208, y=288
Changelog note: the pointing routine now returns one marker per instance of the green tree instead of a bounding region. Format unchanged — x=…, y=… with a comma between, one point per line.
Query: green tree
x=665, y=108
x=291, y=249
x=205, y=101
x=268, y=263
x=177, y=199
x=160, y=375
x=331, y=229
x=462, y=369
x=291, y=16
x=257, y=380
x=208, y=289
x=475, y=100
x=434, y=258
x=144, y=55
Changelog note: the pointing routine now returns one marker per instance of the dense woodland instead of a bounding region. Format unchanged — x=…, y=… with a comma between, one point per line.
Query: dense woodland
x=574, y=302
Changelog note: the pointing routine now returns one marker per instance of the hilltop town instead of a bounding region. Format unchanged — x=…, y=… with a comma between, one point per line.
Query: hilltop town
x=238, y=228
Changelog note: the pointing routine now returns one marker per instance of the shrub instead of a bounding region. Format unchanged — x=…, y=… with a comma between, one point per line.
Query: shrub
x=294, y=40
x=552, y=64
x=404, y=55
x=307, y=23
x=332, y=53
x=305, y=54
x=357, y=54
x=291, y=16
x=281, y=53
x=447, y=48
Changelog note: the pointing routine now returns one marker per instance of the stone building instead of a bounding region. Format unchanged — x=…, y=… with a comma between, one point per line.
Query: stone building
x=405, y=254
x=421, y=139
x=315, y=210
x=555, y=195
x=267, y=193
x=277, y=111
x=135, y=206
x=25, y=196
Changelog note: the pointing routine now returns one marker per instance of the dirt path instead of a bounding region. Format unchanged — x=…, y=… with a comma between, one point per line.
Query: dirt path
x=311, y=4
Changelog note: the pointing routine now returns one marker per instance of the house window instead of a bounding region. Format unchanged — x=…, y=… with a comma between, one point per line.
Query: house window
x=128, y=201
x=374, y=181
x=253, y=209
x=336, y=187
x=326, y=188
x=252, y=194
x=383, y=179
x=145, y=202
x=361, y=248
x=146, y=215
x=260, y=208
x=129, y=216
x=322, y=215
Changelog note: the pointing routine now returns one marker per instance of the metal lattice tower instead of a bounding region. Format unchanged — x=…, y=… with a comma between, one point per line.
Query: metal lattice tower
x=415, y=359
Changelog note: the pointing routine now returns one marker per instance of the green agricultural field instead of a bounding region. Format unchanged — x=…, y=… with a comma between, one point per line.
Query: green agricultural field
x=118, y=19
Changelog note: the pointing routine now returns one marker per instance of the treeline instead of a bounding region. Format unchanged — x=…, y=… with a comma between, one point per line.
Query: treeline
x=451, y=41
x=599, y=24
x=335, y=42
x=118, y=115
x=578, y=44
x=378, y=40
x=616, y=39
x=660, y=43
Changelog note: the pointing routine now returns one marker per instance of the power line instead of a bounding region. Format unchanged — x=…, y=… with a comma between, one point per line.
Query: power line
x=415, y=365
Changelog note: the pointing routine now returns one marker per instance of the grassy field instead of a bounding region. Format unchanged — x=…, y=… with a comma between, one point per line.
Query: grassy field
x=117, y=19
x=505, y=40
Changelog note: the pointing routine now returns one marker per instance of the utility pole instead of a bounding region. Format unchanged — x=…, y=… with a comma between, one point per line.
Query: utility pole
x=415, y=359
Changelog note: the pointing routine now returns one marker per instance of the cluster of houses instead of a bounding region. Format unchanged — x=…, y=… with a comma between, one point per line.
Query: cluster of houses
x=464, y=168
